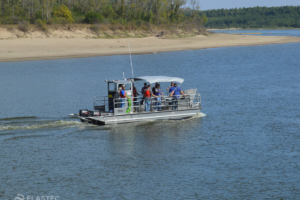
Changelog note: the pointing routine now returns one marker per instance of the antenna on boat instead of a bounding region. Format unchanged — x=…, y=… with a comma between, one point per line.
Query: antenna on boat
x=130, y=61
x=124, y=76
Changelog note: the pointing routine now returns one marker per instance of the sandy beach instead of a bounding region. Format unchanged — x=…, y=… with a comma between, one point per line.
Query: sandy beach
x=19, y=49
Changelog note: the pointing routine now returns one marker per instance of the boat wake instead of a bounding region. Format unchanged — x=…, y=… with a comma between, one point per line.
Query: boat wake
x=199, y=115
x=22, y=123
x=44, y=125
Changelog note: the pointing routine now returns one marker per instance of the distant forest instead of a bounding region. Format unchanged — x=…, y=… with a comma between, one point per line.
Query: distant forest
x=257, y=17
x=132, y=13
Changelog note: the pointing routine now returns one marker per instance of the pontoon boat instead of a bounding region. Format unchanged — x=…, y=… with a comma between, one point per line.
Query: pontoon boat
x=107, y=109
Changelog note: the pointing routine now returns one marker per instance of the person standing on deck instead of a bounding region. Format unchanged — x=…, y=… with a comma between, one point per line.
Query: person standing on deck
x=122, y=97
x=176, y=92
x=154, y=89
x=120, y=87
x=147, y=95
x=143, y=91
x=170, y=89
x=171, y=86
x=135, y=93
x=144, y=88
x=158, y=92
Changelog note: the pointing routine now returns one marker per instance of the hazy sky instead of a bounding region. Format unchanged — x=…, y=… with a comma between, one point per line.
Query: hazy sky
x=216, y=4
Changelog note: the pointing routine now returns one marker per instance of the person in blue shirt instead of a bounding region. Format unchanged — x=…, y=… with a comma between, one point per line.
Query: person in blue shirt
x=122, y=97
x=176, y=95
x=171, y=87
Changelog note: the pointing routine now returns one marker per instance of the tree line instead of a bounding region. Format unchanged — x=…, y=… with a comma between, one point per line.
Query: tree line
x=256, y=17
x=156, y=12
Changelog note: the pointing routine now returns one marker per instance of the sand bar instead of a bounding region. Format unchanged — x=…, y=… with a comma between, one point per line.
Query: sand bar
x=20, y=49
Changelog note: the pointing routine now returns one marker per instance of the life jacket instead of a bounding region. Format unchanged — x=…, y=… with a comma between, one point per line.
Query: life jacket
x=122, y=96
x=147, y=93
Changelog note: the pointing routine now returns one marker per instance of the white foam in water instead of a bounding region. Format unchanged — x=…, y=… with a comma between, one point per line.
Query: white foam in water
x=200, y=114
x=60, y=123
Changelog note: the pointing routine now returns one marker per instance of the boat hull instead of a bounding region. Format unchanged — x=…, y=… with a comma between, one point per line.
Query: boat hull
x=140, y=117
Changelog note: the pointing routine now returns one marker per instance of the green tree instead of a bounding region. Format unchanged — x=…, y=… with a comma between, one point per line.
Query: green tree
x=285, y=16
x=108, y=11
x=63, y=12
x=92, y=17
x=204, y=19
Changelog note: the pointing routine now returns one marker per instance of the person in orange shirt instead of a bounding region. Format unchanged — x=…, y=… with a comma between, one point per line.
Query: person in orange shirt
x=147, y=94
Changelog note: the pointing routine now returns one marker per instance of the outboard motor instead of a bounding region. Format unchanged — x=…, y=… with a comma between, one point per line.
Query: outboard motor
x=95, y=113
x=84, y=113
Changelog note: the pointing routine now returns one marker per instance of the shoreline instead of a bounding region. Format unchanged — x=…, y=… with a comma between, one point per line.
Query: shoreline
x=24, y=49
x=246, y=29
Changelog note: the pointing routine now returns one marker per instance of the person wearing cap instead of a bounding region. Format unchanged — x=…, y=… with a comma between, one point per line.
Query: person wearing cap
x=120, y=87
x=176, y=95
x=122, y=97
x=147, y=94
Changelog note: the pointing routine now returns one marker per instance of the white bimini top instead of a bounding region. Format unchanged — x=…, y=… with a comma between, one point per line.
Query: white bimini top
x=156, y=79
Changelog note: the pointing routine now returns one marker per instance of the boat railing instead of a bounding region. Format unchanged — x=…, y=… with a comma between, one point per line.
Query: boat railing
x=100, y=103
x=189, y=101
x=135, y=104
x=167, y=102
x=198, y=99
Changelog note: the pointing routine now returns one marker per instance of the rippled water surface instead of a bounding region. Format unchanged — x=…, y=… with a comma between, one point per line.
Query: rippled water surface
x=243, y=145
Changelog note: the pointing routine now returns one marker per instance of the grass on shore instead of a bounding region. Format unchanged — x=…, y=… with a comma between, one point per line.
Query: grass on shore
x=106, y=30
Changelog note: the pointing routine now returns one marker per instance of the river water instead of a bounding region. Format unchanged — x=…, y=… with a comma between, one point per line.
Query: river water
x=243, y=145
x=280, y=32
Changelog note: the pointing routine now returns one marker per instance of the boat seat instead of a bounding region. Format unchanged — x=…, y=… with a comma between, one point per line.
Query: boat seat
x=191, y=93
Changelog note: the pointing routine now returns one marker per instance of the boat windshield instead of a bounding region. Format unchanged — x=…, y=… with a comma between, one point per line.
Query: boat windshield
x=127, y=86
x=112, y=86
